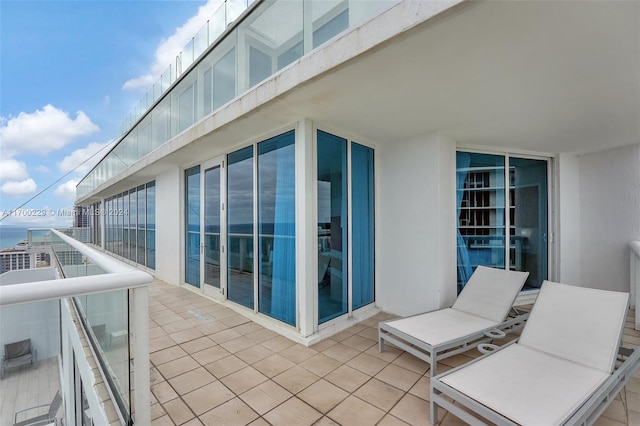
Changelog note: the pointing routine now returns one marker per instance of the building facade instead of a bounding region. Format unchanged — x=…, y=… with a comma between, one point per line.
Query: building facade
x=313, y=162
x=12, y=260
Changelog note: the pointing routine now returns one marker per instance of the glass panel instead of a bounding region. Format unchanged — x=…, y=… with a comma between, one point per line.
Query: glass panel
x=144, y=138
x=290, y=55
x=108, y=225
x=224, y=79
x=98, y=220
x=118, y=220
x=186, y=108
x=240, y=227
x=192, y=222
x=528, y=218
x=142, y=217
x=160, y=123
x=362, y=233
x=151, y=225
x=277, y=227
x=330, y=24
x=212, y=226
x=207, y=91
x=200, y=42
x=481, y=213
x=133, y=223
x=125, y=226
x=332, y=226
x=272, y=38
x=107, y=315
x=259, y=66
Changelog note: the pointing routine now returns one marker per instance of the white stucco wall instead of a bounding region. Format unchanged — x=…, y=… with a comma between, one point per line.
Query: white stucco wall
x=610, y=215
x=168, y=229
x=568, y=232
x=415, y=225
x=37, y=321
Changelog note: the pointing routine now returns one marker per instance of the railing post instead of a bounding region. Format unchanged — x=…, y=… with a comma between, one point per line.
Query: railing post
x=141, y=376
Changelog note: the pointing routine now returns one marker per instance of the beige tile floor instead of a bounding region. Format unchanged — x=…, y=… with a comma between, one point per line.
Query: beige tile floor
x=27, y=386
x=212, y=366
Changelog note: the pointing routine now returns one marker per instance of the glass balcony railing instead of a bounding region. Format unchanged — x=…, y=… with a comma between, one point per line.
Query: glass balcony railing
x=101, y=289
x=244, y=43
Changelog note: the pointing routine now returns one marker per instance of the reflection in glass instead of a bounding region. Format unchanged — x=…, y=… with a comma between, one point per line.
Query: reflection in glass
x=334, y=26
x=192, y=224
x=107, y=225
x=276, y=227
x=186, y=114
x=133, y=223
x=259, y=66
x=240, y=227
x=528, y=220
x=118, y=222
x=212, y=226
x=125, y=227
x=107, y=317
x=160, y=123
x=481, y=213
x=224, y=79
x=151, y=225
x=142, y=220
x=332, y=226
x=362, y=233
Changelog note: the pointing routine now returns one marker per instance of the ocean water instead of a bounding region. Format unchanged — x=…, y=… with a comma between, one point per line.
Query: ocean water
x=10, y=235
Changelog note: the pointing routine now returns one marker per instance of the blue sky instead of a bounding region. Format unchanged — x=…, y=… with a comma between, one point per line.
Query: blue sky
x=70, y=72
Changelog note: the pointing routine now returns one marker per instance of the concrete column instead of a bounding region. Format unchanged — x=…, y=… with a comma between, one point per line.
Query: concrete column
x=307, y=238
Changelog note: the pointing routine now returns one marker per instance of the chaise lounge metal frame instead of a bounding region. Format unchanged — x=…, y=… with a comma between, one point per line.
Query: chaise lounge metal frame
x=461, y=393
x=479, y=315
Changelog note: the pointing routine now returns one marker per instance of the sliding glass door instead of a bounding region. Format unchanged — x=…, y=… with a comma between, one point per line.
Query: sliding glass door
x=277, y=228
x=192, y=226
x=346, y=225
x=240, y=265
x=332, y=226
x=211, y=227
x=502, y=198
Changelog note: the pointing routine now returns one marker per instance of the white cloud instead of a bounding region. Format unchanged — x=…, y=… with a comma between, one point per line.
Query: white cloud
x=12, y=170
x=67, y=190
x=142, y=82
x=170, y=47
x=78, y=156
x=43, y=131
x=16, y=189
x=42, y=169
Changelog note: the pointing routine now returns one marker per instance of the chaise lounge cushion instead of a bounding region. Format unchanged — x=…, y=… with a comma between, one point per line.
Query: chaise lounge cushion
x=528, y=386
x=441, y=326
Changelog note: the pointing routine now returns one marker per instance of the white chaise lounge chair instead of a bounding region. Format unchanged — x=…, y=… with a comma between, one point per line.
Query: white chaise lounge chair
x=478, y=315
x=559, y=372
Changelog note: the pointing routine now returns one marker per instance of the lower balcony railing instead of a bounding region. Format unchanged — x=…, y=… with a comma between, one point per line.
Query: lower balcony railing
x=70, y=324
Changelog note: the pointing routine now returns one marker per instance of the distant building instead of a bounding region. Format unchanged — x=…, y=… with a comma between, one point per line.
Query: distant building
x=81, y=217
x=12, y=259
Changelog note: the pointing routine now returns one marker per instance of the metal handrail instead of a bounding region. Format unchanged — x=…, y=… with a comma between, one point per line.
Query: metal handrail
x=119, y=276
